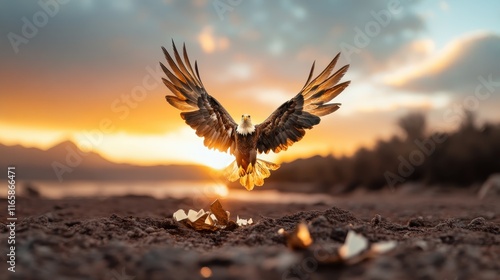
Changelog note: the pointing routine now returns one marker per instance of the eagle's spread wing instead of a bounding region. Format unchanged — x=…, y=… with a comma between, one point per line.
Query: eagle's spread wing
x=200, y=110
x=287, y=124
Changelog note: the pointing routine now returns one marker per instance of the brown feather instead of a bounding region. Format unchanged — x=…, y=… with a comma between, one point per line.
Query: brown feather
x=321, y=77
x=179, y=104
x=310, y=75
x=200, y=111
x=327, y=95
x=331, y=81
x=287, y=124
x=326, y=109
x=182, y=67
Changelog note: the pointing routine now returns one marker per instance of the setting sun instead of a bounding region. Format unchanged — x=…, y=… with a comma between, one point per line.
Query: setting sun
x=219, y=190
x=181, y=146
x=213, y=159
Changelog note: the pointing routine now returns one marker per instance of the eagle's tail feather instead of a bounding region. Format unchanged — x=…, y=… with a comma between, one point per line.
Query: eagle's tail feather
x=253, y=175
x=232, y=171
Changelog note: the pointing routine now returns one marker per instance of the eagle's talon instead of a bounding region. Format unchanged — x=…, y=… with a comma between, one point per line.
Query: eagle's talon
x=249, y=169
x=242, y=172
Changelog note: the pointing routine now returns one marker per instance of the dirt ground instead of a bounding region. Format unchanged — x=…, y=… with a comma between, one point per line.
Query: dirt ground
x=439, y=235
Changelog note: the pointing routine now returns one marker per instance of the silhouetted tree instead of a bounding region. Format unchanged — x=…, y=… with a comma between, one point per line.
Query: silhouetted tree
x=460, y=158
x=413, y=125
x=468, y=122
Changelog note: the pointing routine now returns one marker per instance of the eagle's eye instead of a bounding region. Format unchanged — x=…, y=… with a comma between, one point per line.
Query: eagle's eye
x=242, y=116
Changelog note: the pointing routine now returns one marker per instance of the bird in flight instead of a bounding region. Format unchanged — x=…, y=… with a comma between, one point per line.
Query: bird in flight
x=245, y=140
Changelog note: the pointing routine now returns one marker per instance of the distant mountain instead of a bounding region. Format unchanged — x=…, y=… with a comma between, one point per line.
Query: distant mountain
x=65, y=161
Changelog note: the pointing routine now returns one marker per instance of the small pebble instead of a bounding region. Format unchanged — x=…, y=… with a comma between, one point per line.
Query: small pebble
x=376, y=220
x=416, y=222
x=477, y=222
x=320, y=220
x=50, y=216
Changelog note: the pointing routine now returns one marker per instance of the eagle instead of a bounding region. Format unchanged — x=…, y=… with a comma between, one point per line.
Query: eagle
x=245, y=140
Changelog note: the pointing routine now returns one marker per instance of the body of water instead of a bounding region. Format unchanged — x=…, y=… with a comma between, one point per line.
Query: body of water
x=163, y=189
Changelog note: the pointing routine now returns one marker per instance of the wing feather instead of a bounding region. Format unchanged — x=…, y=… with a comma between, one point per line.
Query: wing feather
x=310, y=88
x=174, y=89
x=178, y=73
x=180, y=104
x=310, y=75
x=182, y=67
x=287, y=124
x=325, y=109
x=200, y=110
x=328, y=94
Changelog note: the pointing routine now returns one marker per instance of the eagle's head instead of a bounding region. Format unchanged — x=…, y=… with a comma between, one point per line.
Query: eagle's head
x=245, y=127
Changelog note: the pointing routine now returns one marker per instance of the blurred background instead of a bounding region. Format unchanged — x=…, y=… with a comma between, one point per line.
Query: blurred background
x=82, y=98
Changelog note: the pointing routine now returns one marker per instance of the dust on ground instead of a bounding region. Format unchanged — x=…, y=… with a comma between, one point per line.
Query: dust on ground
x=439, y=235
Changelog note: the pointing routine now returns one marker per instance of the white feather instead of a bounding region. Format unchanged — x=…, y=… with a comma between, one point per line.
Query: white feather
x=246, y=126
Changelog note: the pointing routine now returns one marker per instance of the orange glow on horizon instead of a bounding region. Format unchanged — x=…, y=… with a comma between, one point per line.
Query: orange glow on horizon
x=181, y=146
x=148, y=131
x=218, y=190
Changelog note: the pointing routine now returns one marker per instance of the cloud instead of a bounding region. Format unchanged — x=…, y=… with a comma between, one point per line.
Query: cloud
x=459, y=68
x=269, y=97
x=281, y=30
x=410, y=54
x=95, y=52
x=209, y=42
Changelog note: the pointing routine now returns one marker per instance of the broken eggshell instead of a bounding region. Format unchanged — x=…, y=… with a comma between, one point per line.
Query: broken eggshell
x=354, y=244
x=357, y=248
x=198, y=220
x=383, y=247
x=220, y=214
x=215, y=219
x=300, y=238
x=180, y=215
x=243, y=222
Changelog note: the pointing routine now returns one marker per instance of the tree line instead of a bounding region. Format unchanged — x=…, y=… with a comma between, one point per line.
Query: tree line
x=462, y=157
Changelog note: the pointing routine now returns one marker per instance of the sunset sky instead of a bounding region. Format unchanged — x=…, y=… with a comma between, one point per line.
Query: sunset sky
x=88, y=71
